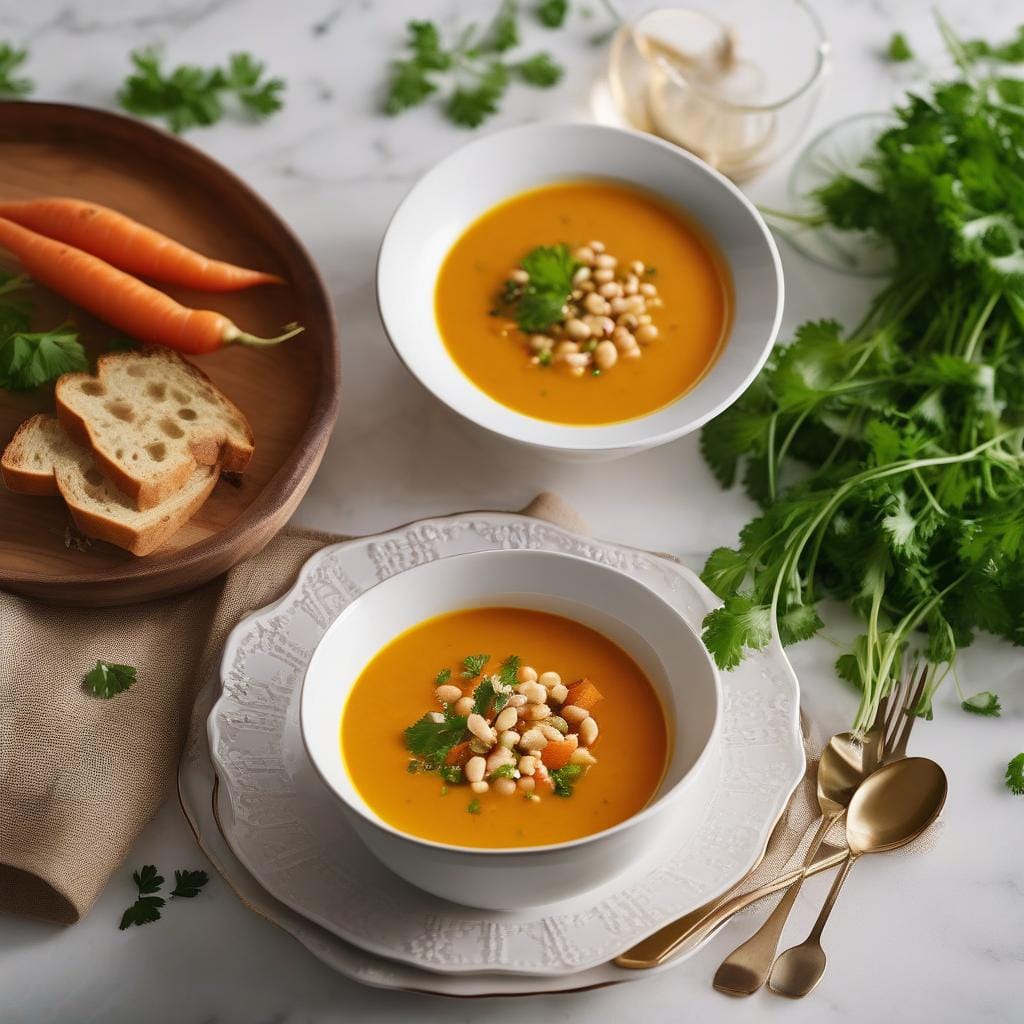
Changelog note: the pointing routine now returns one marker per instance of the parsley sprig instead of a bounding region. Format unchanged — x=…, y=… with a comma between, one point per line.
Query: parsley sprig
x=30, y=358
x=146, y=909
x=107, y=679
x=908, y=503
x=1015, y=775
x=190, y=96
x=473, y=67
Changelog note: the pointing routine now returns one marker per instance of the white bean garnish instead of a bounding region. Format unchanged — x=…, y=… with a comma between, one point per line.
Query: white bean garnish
x=479, y=787
x=606, y=355
x=506, y=719
x=535, y=693
x=448, y=694
x=475, y=768
x=560, y=691
x=574, y=715
x=549, y=679
x=588, y=731
x=527, y=764
x=509, y=738
x=533, y=739
x=478, y=726
x=526, y=674
x=504, y=787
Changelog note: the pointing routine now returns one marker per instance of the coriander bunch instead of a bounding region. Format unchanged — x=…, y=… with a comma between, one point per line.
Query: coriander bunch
x=889, y=461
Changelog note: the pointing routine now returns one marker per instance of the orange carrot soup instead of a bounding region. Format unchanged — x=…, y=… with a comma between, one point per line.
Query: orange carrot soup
x=503, y=727
x=584, y=302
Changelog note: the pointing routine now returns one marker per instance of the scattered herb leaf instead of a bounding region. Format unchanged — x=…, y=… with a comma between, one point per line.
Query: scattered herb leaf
x=429, y=739
x=442, y=677
x=540, y=302
x=11, y=86
x=898, y=50
x=504, y=771
x=188, y=883
x=1015, y=775
x=984, y=703
x=551, y=13
x=191, y=96
x=540, y=70
x=107, y=680
x=145, y=910
x=474, y=806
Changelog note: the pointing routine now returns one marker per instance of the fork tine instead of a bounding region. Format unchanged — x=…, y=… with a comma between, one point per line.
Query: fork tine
x=909, y=718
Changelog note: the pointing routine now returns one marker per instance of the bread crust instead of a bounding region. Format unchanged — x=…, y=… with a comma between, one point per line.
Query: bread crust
x=55, y=480
x=204, y=450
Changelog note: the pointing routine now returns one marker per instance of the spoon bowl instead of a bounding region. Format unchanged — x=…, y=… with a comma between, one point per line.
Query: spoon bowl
x=892, y=807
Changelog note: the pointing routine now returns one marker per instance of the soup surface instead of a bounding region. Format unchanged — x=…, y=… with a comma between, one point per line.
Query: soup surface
x=398, y=686
x=692, y=317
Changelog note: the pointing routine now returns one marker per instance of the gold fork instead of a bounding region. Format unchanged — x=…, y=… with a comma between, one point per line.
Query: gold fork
x=747, y=967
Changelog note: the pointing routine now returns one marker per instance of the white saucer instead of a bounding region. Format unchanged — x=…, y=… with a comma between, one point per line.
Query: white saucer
x=286, y=831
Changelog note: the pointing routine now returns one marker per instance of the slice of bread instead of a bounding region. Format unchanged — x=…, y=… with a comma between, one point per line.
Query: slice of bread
x=42, y=459
x=150, y=418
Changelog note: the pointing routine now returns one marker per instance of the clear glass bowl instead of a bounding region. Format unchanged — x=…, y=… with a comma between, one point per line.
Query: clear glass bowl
x=733, y=81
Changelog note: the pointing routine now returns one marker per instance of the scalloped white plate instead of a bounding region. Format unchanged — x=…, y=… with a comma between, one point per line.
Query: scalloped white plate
x=284, y=827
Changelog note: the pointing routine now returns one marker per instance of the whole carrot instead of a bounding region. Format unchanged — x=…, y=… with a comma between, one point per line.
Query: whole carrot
x=121, y=300
x=129, y=245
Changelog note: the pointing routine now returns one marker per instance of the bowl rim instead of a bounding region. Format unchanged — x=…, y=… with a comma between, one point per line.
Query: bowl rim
x=581, y=437
x=652, y=807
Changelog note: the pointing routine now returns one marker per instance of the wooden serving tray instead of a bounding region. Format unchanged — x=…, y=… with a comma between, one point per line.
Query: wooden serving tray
x=289, y=393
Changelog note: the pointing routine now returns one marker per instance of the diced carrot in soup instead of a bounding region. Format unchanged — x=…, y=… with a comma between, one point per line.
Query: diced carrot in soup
x=556, y=755
x=459, y=754
x=584, y=694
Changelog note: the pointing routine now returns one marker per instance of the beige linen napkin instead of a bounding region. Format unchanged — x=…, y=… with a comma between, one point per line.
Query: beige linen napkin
x=81, y=776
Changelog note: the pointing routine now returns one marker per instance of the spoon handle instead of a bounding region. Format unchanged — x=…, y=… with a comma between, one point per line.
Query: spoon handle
x=747, y=967
x=830, y=900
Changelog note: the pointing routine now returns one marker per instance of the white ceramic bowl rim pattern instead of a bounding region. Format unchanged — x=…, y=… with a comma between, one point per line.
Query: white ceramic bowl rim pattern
x=481, y=174
x=322, y=743
x=324, y=873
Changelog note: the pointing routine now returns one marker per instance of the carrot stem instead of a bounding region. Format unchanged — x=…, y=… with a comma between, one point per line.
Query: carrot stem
x=236, y=336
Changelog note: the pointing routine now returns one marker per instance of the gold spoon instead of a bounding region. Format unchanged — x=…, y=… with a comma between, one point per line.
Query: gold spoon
x=892, y=807
x=747, y=967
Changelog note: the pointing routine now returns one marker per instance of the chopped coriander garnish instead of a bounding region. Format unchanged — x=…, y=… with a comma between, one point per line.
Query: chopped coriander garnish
x=451, y=773
x=539, y=304
x=412, y=767
x=146, y=909
x=429, y=739
x=474, y=665
x=474, y=806
x=540, y=70
x=107, y=680
x=442, y=677
x=565, y=777
x=444, y=791
x=504, y=771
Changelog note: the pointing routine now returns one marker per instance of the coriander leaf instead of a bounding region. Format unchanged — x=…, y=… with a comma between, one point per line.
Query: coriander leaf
x=188, y=883
x=738, y=626
x=483, y=696
x=470, y=107
x=565, y=777
x=442, y=677
x=473, y=806
x=145, y=910
x=425, y=43
x=30, y=359
x=1015, y=775
x=413, y=767
x=899, y=49
x=725, y=571
x=508, y=676
x=427, y=738
x=147, y=879
x=984, y=703
x=410, y=86
x=551, y=13
x=550, y=269
x=107, y=680
x=504, y=771
x=474, y=665
x=243, y=78
x=451, y=773
x=504, y=32
x=10, y=61
x=800, y=622
x=540, y=70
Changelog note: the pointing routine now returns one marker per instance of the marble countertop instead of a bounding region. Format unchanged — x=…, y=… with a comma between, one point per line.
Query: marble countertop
x=335, y=169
